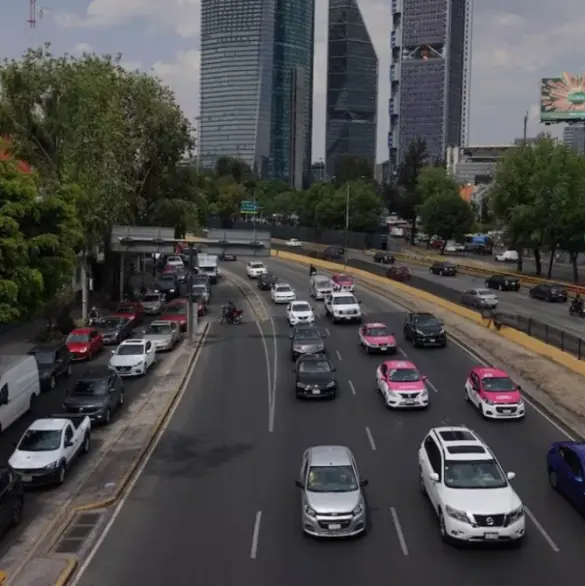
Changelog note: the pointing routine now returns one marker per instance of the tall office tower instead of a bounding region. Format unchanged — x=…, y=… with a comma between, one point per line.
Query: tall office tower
x=574, y=137
x=237, y=44
x=429, y=75
x=292, y=92
x=352, y=87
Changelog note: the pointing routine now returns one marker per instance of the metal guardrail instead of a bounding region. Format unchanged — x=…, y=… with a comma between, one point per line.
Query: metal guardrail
x=534, y=328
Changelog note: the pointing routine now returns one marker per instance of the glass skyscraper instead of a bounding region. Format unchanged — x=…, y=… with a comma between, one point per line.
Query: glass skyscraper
x=352, y=87
x=292, y=92
x=429, y=75
x=237, y=46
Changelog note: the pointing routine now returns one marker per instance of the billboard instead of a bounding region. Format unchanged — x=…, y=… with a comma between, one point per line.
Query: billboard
x=562, y=99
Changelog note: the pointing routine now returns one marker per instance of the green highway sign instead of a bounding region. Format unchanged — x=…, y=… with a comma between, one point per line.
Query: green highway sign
x=248, y=207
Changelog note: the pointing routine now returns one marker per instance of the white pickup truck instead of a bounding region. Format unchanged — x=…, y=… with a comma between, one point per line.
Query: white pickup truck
x=343, y=306
x=48, y=447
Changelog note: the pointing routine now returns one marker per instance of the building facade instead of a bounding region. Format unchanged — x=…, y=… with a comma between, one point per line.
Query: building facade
x=574, y=137
x=237, y=48
x=429, y=75
x=352, y=87
x=292, y=92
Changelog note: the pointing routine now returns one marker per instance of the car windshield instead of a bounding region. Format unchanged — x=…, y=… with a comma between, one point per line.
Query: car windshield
x=108, y=323
x=90, y=387
x=74, y=338
x=179, y=309
x=314, y=366
x=130, y=350
x=345, y=300
x=44, y=357
x=497, y=383
x=256, y=265
x=283, y=289
x=403, y=375
x=331, y=479
x=484, y=293
x=307, y=335
x=199, y=289
x=378, y=332
x=158, y=329
x=474, y=474
x=301, y=307
x=323, y=285
x=427, y=320
x=151, y=297
x=167, y=279
x=40, y=440
x=125, y=309
x=343, y=279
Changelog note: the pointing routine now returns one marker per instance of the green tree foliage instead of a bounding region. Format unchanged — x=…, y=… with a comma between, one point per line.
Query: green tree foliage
x=446, y=215
x=351, y=168
x=433, y=181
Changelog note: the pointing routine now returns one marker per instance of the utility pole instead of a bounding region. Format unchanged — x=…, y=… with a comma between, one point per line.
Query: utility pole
x=525, y=133
x=346, y=235
x=192, y=313
x=32, y=14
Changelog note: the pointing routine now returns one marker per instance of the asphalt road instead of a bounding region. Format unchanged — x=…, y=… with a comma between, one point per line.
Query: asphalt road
x=217, y=505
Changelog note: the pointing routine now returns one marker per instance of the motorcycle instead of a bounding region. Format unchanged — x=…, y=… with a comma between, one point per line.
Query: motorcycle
x=232, y=317
x=577, y=309
x=92, y=321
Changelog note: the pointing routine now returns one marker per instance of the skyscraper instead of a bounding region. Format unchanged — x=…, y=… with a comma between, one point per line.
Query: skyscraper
x=292, y=92
x=237, y=45
x=352, y=87
x=429, y=75
x=574, y=137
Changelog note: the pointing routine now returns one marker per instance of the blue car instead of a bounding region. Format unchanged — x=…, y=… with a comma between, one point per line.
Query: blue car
x=566, y=471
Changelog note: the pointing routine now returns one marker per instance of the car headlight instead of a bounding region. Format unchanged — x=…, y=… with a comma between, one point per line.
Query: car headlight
x=301, y=385
x=441, y=332
x=516, y=514
x=420, y=333
x=45, y=375
x=51, y=465
x=358, y=510
x=310, y=512
x=330, y=385
x=84, y=349
x=171, y=290
x=458, y=515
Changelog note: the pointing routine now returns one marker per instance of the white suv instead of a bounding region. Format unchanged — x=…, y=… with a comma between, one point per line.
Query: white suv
x=254, y=269
x=468, y=488
x=343, y=306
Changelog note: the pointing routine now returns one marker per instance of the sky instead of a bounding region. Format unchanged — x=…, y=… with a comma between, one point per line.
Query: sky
x=515, y=43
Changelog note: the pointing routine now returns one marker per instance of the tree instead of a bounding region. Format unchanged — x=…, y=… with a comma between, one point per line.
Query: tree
x=433, y=181
x=447, y=215
x=350, y=168
x=225, y=201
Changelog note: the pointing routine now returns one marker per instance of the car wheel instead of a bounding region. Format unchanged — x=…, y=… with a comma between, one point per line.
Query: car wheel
x=501, y=287
x=17, y=508
x=52, y=382
x=487, y=285
x=89, y=356
x=69, y=371
x=62, y=473
x=121, y=399
x=86, y=444
x=108, y=416
x=552, y=478
x=414, y=342
x=442, y=527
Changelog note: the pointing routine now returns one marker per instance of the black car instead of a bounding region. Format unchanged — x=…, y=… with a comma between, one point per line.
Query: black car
x=201, y=279
x=114, y=329
x=503, y=283
x=169, y=285
x=306, y=340
x=424, y=329
x=11, y=499
x=549, y=292
x=333, y=253
x=265, y=282
x=384, y=258
x=445, y=269
x=97, y=393
x=226, y=256
x=315, y=377
x=53, y=361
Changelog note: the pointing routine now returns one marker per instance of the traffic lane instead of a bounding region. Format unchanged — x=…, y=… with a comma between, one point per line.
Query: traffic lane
x=190, y=517
x=520, y=446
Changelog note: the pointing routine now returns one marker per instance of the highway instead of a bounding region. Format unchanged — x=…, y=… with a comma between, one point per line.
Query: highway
x=216, y=504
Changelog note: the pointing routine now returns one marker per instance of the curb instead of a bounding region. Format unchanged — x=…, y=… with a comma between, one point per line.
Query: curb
x=68, y=572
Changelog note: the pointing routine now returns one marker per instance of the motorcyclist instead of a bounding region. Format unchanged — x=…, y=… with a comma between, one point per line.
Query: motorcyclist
x=578, y=303
x=93, y=314
x=312, y=270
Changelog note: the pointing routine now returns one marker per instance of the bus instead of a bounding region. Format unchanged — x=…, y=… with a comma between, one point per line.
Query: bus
x=479, y=244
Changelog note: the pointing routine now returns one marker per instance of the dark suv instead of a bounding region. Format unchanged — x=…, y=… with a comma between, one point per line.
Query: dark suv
x=424, y=329
x=53, y=361
x=11, y=499
x=503, y=283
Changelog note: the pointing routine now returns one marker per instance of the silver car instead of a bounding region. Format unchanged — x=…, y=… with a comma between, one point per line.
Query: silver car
x=153, y=303
x=321, y=286
x=203, y=290
x=479, y=298
x=164, y=335
x=332, y=501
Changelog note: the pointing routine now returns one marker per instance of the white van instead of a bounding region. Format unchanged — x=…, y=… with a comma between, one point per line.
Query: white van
x=19, y=387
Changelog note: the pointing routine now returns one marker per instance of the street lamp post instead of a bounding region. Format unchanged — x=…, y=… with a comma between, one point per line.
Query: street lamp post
x=346, y=235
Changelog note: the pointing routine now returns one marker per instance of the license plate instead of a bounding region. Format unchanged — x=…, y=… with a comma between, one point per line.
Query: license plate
x=334, y=527
x=384, y=348
x=316, y=392
x=507, y=410
x=409, y=402
x=491, y=535
x=432, y=340
x=26, y=478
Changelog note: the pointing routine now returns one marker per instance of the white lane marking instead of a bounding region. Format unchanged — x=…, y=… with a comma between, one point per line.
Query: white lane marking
x=402, y=352
x=338, y=355
x=399, y=532
x=256, y=535
x=268, y=374
x=272, y=414
x=432, y=386
x=371, y=438
x=542, y=530
x=351, y=387
x=140, y=470
x=533, y=405
x=327, y=331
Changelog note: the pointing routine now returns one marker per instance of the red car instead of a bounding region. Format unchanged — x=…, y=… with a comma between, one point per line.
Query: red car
x=176, y=311
x=84, y=343
x=342, y=283
x=398, y=273
x=132, y=310
x=201, y=305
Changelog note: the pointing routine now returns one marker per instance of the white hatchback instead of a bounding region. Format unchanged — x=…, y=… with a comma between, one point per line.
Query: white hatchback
x=282, y=293
x=133, y=357
x=254, y=269
x=300, y=312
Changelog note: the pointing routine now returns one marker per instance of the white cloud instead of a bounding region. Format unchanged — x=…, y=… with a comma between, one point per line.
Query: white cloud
x=82, y=48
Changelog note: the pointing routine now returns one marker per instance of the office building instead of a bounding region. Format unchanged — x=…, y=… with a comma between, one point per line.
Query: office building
x=429, y=75
x=237, y=46
x=574, y=137
x=292, y=92
x=352, y=87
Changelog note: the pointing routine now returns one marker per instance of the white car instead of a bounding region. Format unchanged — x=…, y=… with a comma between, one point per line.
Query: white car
x=468, y=489
x=254, y=269
x=133, y=357
x=507, y=256
x=294, y=243
x=343, y=306
x=282, y=293
x=300, y=312
x=175, y=261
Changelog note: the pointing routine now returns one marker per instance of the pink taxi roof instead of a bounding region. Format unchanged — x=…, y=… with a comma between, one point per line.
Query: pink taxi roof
x=375, y=325
x=341, y=277
x=397, y=364
x=482, y=371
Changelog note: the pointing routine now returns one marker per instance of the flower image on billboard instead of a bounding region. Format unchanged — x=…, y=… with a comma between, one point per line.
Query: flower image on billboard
x=562, y=99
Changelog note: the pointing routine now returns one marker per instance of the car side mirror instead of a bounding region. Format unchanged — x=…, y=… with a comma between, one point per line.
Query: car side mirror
x=298, y=484
x=425, y=378
x=360, y=302
x=434, y=477
x=113, y=351
x=15, y=445
x=511, y=475
x=518, y=387
x=68, y=443
x=579, y=479
x=290, y=336
x=334, y=369
x=364, y=483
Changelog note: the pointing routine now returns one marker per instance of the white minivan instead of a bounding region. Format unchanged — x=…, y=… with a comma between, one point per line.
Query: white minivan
x=19, y=387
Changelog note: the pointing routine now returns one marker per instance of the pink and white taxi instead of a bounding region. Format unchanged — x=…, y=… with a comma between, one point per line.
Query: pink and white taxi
x=401, y=385
x=342, y=283
x=376, y=337
x=494, y=393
